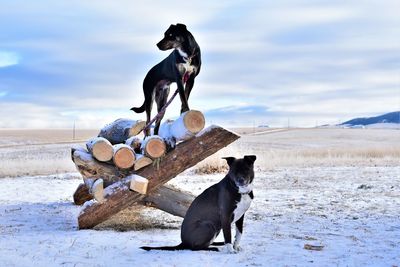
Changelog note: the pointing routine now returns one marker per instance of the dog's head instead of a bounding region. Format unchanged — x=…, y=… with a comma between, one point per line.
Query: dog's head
x=173, y=37
x=241, y=172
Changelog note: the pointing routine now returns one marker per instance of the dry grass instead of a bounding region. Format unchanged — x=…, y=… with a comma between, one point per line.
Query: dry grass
x=35, y=152
x=311, y=147
x=9, y=137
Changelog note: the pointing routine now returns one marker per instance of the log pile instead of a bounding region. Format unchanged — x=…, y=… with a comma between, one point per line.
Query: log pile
x=130, y=178
x=118, y=143
x=118, y=151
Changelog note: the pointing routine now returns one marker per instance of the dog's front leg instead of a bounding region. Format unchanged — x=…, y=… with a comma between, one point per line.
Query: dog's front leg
x=189, y=85
x=238, y=235
x=181, y=90
x=226, y=229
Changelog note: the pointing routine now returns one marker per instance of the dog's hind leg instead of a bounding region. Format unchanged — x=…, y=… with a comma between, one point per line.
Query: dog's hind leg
x=161, y=99
x=148, y=107
x=201, y=236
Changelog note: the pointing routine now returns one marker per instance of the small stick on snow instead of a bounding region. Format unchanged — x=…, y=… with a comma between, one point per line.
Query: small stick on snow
x=313, y=247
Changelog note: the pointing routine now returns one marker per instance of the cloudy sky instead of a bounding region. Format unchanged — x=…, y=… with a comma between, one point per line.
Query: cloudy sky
x=264, y=62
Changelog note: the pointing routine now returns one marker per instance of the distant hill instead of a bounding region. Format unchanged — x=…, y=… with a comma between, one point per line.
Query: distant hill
x=392, y=117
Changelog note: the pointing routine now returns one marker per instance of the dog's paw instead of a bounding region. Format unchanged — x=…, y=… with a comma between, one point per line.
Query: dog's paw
x=237, y=248
x=228, y=248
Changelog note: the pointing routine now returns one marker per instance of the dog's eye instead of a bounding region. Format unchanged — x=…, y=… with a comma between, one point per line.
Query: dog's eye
x=170, y=35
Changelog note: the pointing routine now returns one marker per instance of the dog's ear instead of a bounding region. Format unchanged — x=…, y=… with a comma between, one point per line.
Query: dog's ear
x=181, y=26
x=229, y=160
x=250, y=159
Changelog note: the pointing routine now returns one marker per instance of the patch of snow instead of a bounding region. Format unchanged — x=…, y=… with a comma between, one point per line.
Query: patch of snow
x=120, y=185
x=383, y=126
x=165, y=133
x=212, y=127
x=84, y=155
x=292, y=207
x=119, y=146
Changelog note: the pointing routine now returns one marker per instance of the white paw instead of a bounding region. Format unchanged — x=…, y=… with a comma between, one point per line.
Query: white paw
x=228, y=248
x=237, y=247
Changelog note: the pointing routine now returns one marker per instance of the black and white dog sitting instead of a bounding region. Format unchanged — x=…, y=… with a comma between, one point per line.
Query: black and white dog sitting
x=180, y=67
x=217, y=208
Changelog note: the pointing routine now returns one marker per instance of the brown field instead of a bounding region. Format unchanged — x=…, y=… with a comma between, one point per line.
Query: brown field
x=42, y=152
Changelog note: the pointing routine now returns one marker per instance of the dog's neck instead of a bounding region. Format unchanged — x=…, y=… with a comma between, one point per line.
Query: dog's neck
x=183, y=54
x=246, y=189
x=187, y=58
x=239, y=189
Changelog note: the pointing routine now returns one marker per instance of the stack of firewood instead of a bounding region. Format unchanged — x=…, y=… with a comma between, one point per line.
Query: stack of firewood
x=118, y=143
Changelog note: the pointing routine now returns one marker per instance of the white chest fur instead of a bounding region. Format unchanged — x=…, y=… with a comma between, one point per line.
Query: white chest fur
x=185, y=67
x=241, y=207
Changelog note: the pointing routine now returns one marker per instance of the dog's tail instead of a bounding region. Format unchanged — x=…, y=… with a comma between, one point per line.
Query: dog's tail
x=139, y=109
x=178, y=247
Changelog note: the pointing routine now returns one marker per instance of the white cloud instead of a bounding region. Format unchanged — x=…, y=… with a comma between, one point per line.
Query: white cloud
x=8, y=59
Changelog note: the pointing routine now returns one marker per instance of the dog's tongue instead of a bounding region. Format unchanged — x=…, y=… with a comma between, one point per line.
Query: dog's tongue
x=186, y=77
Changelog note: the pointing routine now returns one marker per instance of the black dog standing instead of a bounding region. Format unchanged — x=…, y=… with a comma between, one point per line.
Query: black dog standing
x=217, y=208
x=180, y=67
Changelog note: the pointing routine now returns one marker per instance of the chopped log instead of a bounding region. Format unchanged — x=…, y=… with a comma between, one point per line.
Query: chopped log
x=154, y=147
x=135, y=143
x=186, y=154
x=139, y=184
x=100, y=148
x=120, y=130
x=187, y=125
x=141, y=162
x=165, y=198
x=123, y=157
x=165, y=133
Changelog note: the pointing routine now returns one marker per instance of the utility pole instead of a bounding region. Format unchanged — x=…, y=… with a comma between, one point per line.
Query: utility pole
x=73, y=132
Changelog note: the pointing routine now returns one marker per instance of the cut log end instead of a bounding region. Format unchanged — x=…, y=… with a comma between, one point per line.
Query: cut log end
x=124, y=157
x=139, y=184
x=102, y=151
x=98, y=190
x=100, y=148
x=155, y=148
x=141, y=162
x=137, y=128
x=194, y=121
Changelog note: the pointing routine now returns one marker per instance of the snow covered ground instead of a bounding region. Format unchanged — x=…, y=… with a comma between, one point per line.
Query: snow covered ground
x=352, y=211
